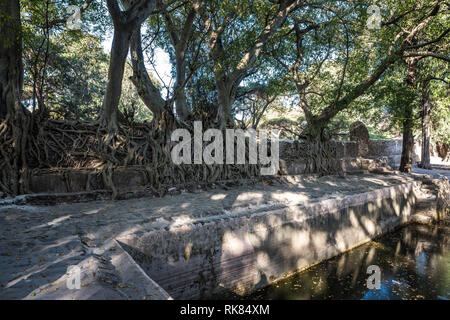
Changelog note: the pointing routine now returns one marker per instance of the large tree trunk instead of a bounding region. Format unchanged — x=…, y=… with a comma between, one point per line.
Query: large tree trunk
x=11, y=69
x=147, y=91
x=124, y=25
x=426, y=127
x=406, y=162
x=408, y=142
x=225, y=100
x=119, y=52
x=180, y=96
x=320, y=152
x=14, y=122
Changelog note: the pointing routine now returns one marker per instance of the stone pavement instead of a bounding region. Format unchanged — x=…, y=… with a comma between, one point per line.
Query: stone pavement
x=434, y=172
x=38, y=243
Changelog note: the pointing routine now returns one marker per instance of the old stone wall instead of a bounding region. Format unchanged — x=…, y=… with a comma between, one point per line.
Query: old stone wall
x=243, y=252
x=349, y=157
x=292, y=162
x=391, y=149
x=347, y=152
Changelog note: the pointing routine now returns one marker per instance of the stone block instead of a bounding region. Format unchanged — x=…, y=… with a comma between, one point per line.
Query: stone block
x=360, y=134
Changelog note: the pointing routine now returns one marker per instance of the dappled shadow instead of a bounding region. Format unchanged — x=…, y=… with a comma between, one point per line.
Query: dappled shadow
x=406, y=272
x=212, y=256
x=38, y=243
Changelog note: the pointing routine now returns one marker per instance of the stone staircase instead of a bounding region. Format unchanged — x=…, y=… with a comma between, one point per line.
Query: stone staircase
x=433, y=201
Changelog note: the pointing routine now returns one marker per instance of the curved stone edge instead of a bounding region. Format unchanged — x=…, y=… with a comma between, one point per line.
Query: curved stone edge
x=243, y=252
x=132, y=272
x=108, y=273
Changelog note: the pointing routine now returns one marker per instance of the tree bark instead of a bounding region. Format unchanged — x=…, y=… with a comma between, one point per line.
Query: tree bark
x=119, y=52
x=124, y=25
x=180, y=44
x=14, y=121
x=11, y=68
x=426, y=127
x=225, y=102
x=406, y=162
x=180, y=96
x=147, y=91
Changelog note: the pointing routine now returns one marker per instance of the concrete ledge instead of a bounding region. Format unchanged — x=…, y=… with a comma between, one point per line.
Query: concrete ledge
x=49, y=199
x=108, y=274
x=243, y=252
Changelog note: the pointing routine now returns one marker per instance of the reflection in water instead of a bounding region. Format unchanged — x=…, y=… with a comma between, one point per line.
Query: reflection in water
x=414, y=263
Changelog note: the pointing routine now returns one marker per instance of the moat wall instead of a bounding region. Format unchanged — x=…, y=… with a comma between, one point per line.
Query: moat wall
x=242, y=252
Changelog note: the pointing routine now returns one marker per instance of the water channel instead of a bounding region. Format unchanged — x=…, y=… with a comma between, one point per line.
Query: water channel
x=414, y=263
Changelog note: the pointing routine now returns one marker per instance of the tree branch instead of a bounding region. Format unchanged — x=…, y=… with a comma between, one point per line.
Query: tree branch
x=424, y=54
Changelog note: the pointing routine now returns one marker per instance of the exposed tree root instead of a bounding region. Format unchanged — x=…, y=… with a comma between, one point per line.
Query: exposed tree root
x=14, y=135
x=77, y=144
x=321, y=156
x=318, y=153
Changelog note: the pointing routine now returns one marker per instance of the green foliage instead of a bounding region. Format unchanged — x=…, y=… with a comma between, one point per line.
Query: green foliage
x=289, y=129
x=67, y=70
x=75, y=79
x=130, y=103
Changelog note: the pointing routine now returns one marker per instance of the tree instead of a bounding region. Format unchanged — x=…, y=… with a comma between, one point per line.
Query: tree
x=253, y=102
x=14, y=119
x=433, y=81
x=425, y=161
x=125, y=23
x=172, y=29
x=45, y=21
x=230, y=66
x=408, y=140
x=74, y=81
x=430, y=31
x=333, y=43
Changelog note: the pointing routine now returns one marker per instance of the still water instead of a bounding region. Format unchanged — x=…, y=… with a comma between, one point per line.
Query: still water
x=414, y=262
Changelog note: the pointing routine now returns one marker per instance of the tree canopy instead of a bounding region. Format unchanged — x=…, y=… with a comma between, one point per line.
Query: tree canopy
x=233, y=63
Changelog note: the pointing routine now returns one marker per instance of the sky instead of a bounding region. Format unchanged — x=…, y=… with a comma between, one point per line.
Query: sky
x=162, y=62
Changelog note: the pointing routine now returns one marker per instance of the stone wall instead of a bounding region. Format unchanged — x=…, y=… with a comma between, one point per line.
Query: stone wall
x=390, y=149
x=345, y=149
x=65, y=180
x=244, y=252
x=292, y=162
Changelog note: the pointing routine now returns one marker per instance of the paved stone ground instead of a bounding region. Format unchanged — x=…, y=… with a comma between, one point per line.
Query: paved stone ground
x=435, y=172
x=38, y=243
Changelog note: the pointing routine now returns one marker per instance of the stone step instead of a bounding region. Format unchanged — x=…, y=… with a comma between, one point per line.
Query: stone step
x=426, y=203
x=55, y=198
x=431, y=187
